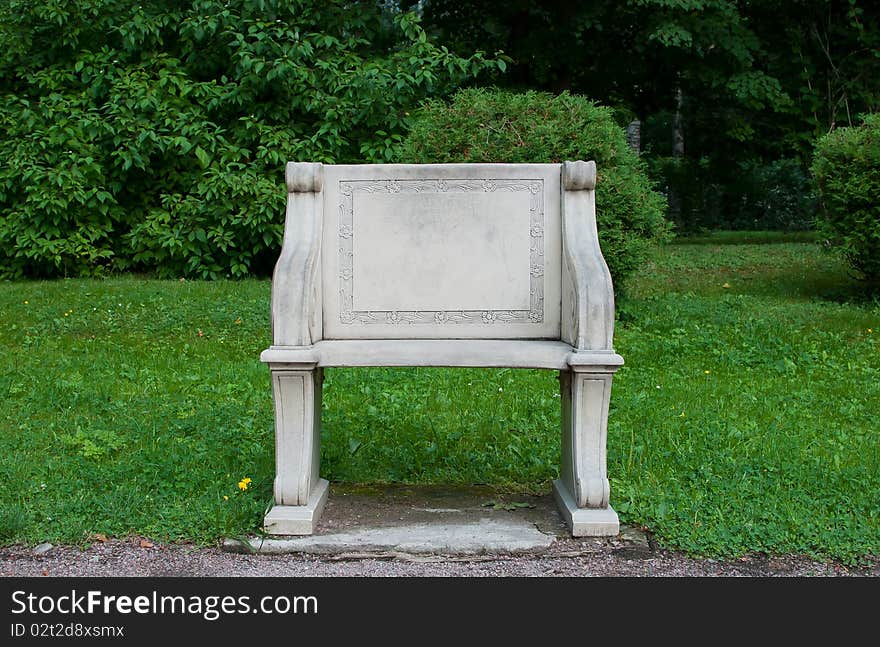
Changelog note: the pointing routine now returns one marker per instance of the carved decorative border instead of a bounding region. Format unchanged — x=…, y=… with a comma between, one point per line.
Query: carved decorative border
x=347, y=314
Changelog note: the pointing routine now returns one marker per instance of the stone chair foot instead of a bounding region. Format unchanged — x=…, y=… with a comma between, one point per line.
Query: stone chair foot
x=298, y=519
x=585, y=522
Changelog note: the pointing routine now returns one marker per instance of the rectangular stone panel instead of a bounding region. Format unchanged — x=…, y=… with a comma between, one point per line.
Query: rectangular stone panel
x=465, y=251
x=440, y=251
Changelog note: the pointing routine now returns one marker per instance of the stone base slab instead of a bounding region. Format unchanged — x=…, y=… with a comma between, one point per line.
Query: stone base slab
x=298, y=519
x=585, y=522
x=483, y=536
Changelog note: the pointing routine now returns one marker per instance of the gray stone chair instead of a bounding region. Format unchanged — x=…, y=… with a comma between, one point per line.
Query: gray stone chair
x=469, y=265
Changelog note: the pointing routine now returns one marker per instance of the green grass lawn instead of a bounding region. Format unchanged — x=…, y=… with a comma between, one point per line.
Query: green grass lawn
x=744, y=420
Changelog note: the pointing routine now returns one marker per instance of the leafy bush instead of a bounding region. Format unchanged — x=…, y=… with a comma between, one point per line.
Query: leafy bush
x=847, y=171
x=153, y=135
x=481, y=125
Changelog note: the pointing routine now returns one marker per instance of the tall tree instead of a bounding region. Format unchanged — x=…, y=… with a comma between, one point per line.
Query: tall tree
x=826, y=55
x=633, y=55
x=724, y=83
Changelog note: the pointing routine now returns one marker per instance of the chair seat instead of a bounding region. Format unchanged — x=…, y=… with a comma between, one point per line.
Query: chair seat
x=487, y=353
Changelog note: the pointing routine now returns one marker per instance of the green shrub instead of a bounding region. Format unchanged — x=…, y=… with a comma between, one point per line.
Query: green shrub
x=481, y=125
x=847, y=171
x=153, y=135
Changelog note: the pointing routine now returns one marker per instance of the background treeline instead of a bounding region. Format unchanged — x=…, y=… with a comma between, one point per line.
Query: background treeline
x=152, y=136
x=730, y=95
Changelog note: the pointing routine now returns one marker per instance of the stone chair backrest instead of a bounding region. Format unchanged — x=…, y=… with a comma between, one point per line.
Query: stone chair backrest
x=442, y=251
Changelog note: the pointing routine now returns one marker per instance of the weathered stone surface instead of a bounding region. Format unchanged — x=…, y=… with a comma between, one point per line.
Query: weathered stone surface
x=501, y=353
x=635, y=536
x=634, y=543
x=482, y=265
x=583, y=521
x=42, y=549
x=402, y=259
x=483, y=536
x=453, y=251
x=297, y=519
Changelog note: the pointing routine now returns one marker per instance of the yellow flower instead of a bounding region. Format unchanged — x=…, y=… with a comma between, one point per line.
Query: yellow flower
x=225, y=498
x=25, y=302
x=243, y=484
x=707, y=372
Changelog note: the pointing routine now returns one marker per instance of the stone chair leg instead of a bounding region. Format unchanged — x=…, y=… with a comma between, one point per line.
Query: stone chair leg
x=582, y=491
x=300, y=493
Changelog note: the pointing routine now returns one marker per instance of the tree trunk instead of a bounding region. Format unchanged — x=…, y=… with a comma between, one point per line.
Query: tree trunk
x=677, y=129
x=673, y=198
x=634, y=135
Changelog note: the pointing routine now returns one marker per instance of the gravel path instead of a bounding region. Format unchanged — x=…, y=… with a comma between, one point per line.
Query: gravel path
x=133, y=557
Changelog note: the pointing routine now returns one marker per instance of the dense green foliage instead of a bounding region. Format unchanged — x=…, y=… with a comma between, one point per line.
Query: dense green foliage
x=153, y=135
x=136, y=406
x=847, y=171
x=777, y=195
x=738, y=85
x=499, y=126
